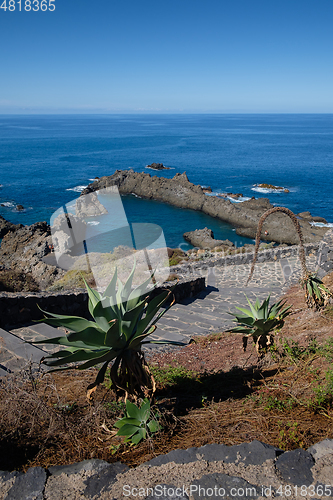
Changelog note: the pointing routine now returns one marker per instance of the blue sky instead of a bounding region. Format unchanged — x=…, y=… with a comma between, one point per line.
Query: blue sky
x=185, y=56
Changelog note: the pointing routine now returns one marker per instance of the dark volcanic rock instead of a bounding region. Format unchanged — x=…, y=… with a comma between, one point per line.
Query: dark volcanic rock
x=295, y=467
x=180, y=192
x=6, y=227
x=30, y=485
x=158, y=166
x=307, y=216
x=24, y=249
x=204, y=238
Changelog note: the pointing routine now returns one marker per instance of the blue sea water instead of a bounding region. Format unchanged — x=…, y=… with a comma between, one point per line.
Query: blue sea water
x=46, y=160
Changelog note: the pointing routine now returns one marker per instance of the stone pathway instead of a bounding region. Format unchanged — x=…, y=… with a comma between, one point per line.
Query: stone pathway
x=206, y=313
x=226, y=288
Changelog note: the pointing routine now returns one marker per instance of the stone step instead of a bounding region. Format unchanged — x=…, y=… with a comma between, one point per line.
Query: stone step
x=15, y=353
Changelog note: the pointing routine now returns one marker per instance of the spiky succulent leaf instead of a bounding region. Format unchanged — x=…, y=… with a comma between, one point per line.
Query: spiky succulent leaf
x=77, y=344
x=128, y=420
x=259, y=321
x=127, y=430
x=141, y=434
x=111, y=288
x=80, y=355
x=74, y=323
x=93, y=297
x=153, y=426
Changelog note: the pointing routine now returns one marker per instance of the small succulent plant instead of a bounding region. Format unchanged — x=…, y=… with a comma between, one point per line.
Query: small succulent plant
x=259, y=322
x=137, y=424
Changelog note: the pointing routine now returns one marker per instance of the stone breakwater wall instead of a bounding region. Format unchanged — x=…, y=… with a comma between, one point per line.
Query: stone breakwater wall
x=246, y=471
x=182, y=193
x=22, y=307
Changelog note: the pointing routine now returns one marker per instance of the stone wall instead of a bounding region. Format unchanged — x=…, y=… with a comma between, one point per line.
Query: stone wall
x=325, y=253
x=20, y=308
x=246, y=471
x=267, y=255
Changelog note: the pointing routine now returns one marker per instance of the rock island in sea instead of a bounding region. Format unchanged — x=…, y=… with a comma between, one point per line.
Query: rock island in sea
x=182, y=193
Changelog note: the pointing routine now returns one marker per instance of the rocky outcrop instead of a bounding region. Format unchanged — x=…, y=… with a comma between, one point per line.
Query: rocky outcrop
x=204, y=238
x=271, y=186
x=6, y=227
x=307, y=216
x=180, y=192
x=157, y=166
x=24, y=249
x=234, y=196
x=243, y=471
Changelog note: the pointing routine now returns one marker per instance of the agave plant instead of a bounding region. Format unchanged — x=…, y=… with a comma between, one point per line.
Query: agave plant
x=316, y=294
x=122, y=319
x=259, y=322
x=137, y=424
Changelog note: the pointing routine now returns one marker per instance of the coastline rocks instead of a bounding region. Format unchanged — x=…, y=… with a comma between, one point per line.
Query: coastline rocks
x=6, y=227
x=307, y=216
x=24, y=249
x=180, y=192
x=271, y=186
x=235, y=196
x=206, y=189
x=157, y=166
x=204, y=238
x=19, y=207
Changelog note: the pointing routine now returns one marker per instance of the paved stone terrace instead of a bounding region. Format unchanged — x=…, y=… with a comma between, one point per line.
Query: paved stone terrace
x=206, y=313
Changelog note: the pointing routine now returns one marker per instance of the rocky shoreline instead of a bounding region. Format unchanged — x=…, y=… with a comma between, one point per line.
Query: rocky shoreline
x=28, y=250
x=180, y=192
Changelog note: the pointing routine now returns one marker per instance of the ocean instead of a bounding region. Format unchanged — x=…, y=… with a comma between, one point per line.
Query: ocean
x=45, y=161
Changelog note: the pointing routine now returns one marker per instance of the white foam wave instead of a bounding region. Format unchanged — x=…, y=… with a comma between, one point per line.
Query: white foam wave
x=93, y=223
x=77, y=189
x=240, y=199
x=8, y=204
x=136, y=195
x=321, y=224
x=214, y=193
x=160, y=170
x=266, y=190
